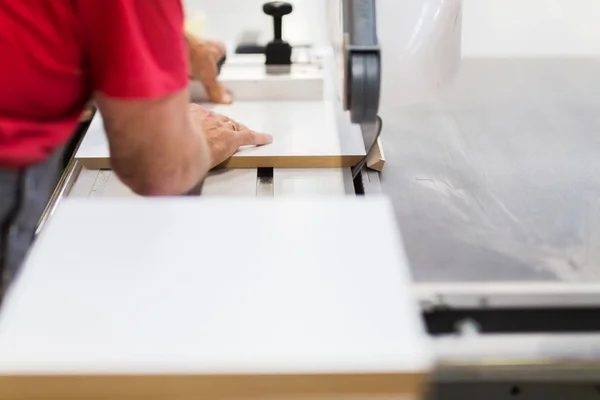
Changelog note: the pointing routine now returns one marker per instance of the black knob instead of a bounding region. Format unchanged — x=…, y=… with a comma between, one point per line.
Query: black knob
x=278, y=51
x=277, y=9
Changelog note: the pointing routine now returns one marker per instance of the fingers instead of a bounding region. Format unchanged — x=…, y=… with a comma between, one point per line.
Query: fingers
x=218, y=94
x=217, y=49
x=251, y=138
x=239, y=134
x=226, y=98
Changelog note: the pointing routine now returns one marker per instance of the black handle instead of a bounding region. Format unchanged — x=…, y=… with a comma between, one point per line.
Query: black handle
x=277, y=9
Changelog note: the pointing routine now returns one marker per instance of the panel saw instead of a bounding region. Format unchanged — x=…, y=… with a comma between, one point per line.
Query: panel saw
x=167, y=312
x=479, y=329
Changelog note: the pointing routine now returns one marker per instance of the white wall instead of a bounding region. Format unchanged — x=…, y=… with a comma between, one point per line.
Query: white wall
x=227, y=19
x=420, y=43
x=420, y=55
x=490, y=27
x=531, y=27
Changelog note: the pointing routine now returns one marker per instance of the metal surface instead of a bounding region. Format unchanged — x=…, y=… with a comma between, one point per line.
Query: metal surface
x=509, y=390
x=264, y=182
x=522, y=358
x=101, y=183
x=499, y=179
x=362, y=60
x=513, y=295
x=244, y=183
x=104, y=183
x=63, y=187
x=371, y=183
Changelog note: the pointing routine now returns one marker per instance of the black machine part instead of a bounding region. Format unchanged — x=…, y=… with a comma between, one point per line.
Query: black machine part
x=250, y=48
x=362, y=61
x=362, y=71
x=278, y=51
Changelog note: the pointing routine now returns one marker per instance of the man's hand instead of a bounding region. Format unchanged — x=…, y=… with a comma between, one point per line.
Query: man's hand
x=204, y=57
x=223, y=135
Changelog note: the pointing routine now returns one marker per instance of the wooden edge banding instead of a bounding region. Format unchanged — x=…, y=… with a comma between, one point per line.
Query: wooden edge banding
x=293, y=162
x=241, y=162
x=194, y=387
x=376, y=158
x=94, y=163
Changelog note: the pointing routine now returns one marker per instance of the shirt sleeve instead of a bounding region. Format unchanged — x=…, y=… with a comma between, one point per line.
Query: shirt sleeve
x=135, y=49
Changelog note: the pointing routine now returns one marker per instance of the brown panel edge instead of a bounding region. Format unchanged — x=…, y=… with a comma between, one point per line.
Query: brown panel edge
x=94, y=162
x=293, y=161
x=376, y=158
x=193, y=387
x=243, y=162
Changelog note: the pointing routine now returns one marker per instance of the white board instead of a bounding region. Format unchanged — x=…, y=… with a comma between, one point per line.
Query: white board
x=194, y=286
x=305, y=134
x=312, y=182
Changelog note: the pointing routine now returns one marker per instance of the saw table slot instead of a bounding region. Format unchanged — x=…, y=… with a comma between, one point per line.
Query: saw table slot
x=102, y=180
x=522, y=320
x=84, y=183
x=264, y=182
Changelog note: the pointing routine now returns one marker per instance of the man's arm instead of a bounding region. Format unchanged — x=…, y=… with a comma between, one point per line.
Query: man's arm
x=139, y=71
x=155, y=149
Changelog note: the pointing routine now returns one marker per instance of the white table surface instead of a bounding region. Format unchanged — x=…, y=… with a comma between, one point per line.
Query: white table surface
x=299, y=128
x=195, y=285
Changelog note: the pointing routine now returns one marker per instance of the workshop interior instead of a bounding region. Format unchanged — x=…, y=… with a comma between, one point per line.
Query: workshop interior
x=425, y=224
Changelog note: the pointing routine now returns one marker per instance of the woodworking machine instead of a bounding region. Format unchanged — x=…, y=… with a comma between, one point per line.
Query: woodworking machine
x=225, y=295
x=497, y=298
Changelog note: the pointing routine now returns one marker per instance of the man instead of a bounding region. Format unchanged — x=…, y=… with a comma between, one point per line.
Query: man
x=130, y=55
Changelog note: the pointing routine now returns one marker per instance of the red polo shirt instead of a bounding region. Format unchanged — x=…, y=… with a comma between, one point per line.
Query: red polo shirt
x=56, y=53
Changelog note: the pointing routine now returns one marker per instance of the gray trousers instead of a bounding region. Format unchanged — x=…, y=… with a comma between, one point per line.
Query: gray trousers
x=23, y=197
